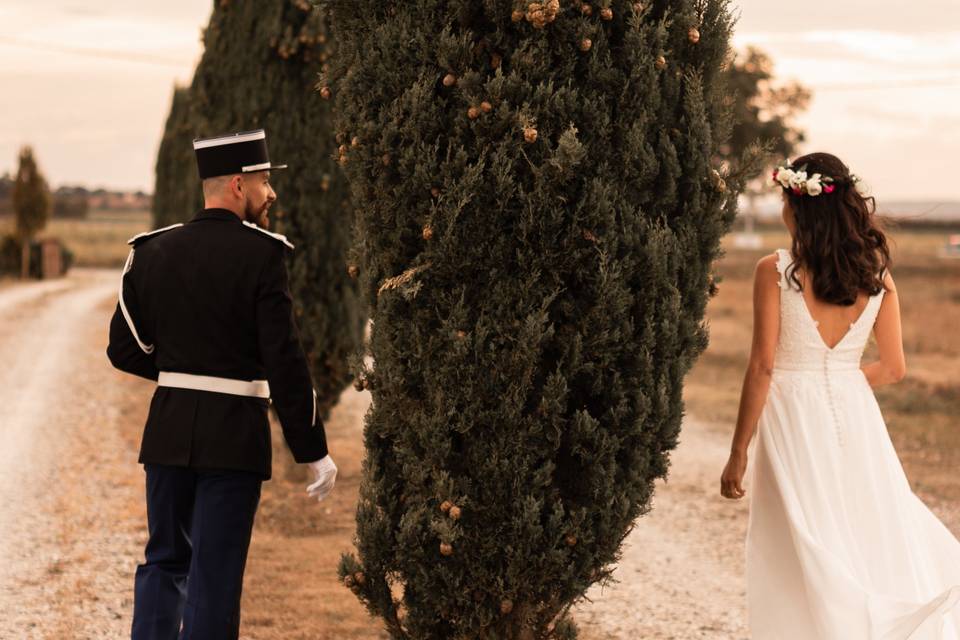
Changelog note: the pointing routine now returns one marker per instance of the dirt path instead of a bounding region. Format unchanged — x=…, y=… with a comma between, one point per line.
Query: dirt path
x=72, y=523
x=72, y=517
x=61, y=555
x=681, y=574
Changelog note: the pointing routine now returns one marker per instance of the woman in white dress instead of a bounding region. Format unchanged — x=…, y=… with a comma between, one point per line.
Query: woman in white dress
x=838, y=546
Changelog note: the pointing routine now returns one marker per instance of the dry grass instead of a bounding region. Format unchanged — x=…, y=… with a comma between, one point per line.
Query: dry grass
x=920, y=412
x=100, y=240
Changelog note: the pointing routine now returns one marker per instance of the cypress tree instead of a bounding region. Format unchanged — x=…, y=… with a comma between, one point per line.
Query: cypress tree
x=538, y=209
x=177, y=195
x=31, y=205
x=259, y=70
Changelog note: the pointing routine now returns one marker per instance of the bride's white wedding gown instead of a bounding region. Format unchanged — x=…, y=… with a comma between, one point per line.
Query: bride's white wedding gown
x=838, y=546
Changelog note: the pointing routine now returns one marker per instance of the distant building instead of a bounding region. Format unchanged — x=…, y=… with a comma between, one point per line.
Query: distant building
x=76, y=201
x=119, y=200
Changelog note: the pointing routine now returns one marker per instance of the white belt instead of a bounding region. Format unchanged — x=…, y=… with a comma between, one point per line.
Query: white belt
x=252, y=388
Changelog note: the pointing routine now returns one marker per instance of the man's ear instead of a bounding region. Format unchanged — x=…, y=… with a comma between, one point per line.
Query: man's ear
x=236, y=186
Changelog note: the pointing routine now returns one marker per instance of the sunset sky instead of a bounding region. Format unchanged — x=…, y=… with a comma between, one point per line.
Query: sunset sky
x=89, y=84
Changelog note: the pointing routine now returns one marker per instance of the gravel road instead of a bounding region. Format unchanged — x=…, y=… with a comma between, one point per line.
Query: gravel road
x=67, y=534
x=72, y=523
x=681, y=576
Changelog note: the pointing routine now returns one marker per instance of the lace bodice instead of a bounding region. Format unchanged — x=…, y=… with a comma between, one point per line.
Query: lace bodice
x=800, y=346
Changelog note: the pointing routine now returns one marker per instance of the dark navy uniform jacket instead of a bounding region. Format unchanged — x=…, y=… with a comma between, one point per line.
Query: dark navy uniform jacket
x=211, y=298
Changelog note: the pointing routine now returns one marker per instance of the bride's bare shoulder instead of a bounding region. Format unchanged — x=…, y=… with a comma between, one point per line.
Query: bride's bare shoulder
x=888, y=282
x=766, y=269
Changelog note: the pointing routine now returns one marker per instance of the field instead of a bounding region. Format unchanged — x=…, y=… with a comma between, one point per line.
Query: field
x=100, y=240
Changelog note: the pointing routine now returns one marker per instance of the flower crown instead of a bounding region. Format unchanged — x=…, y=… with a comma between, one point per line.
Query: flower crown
x=797, y=181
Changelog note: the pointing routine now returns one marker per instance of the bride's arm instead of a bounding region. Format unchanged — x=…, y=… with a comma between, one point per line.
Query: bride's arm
x=892, y=366
x=756, y=381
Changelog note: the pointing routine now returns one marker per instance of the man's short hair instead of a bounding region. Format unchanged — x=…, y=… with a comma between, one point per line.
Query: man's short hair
x=213, y=187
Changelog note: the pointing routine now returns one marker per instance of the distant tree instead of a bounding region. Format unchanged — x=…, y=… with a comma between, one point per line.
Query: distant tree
x=6, y=193
x=764, y=113
x=31, y=203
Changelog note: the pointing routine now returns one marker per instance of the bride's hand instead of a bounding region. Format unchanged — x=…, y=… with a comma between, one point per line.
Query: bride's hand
x=731, y=482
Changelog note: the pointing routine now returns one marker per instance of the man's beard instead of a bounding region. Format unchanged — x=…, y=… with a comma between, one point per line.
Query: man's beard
x=257, y=215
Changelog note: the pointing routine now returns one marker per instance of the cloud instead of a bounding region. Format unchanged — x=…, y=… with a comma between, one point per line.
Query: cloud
x=915, y=17
x=66, y=36
x=871, y=54
x=886, y=83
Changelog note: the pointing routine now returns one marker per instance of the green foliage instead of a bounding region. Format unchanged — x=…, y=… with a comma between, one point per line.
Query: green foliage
x=31, y=196
x=177, y=195
x=536, y=233
x=11, y=252
x=6, y=194
x=31, y=205
x=258, y=70
x=764, y=112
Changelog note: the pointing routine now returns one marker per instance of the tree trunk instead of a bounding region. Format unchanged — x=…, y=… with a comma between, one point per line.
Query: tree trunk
x=25, y=259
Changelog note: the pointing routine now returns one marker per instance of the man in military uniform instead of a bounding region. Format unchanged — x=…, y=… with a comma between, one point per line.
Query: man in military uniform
x=205, y=310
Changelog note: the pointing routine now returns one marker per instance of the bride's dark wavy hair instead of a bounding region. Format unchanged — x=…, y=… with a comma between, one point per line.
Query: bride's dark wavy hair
x=839, y=241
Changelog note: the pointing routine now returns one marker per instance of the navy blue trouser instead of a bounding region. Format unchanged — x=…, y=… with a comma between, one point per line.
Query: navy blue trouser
x=200, y=524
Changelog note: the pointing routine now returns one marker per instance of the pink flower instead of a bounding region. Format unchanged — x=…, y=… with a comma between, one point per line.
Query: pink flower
x=829, y=188
x=798, y=191
x=776, y=172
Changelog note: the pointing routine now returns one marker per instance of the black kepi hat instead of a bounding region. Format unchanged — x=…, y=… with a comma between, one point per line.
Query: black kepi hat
x=243, y=152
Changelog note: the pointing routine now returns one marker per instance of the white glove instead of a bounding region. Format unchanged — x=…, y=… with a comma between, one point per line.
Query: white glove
x=325, y=473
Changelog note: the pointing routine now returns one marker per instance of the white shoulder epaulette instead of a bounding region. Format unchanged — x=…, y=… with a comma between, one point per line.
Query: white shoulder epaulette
x=276, y=236
x=150, y=234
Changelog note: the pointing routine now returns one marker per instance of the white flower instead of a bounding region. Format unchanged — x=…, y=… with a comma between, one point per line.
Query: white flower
x=859, y=185
x=814, y=186
x=798, y=179
x=784, y=177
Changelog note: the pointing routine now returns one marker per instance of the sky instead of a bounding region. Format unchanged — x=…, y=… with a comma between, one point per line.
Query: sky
x=89, y=84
